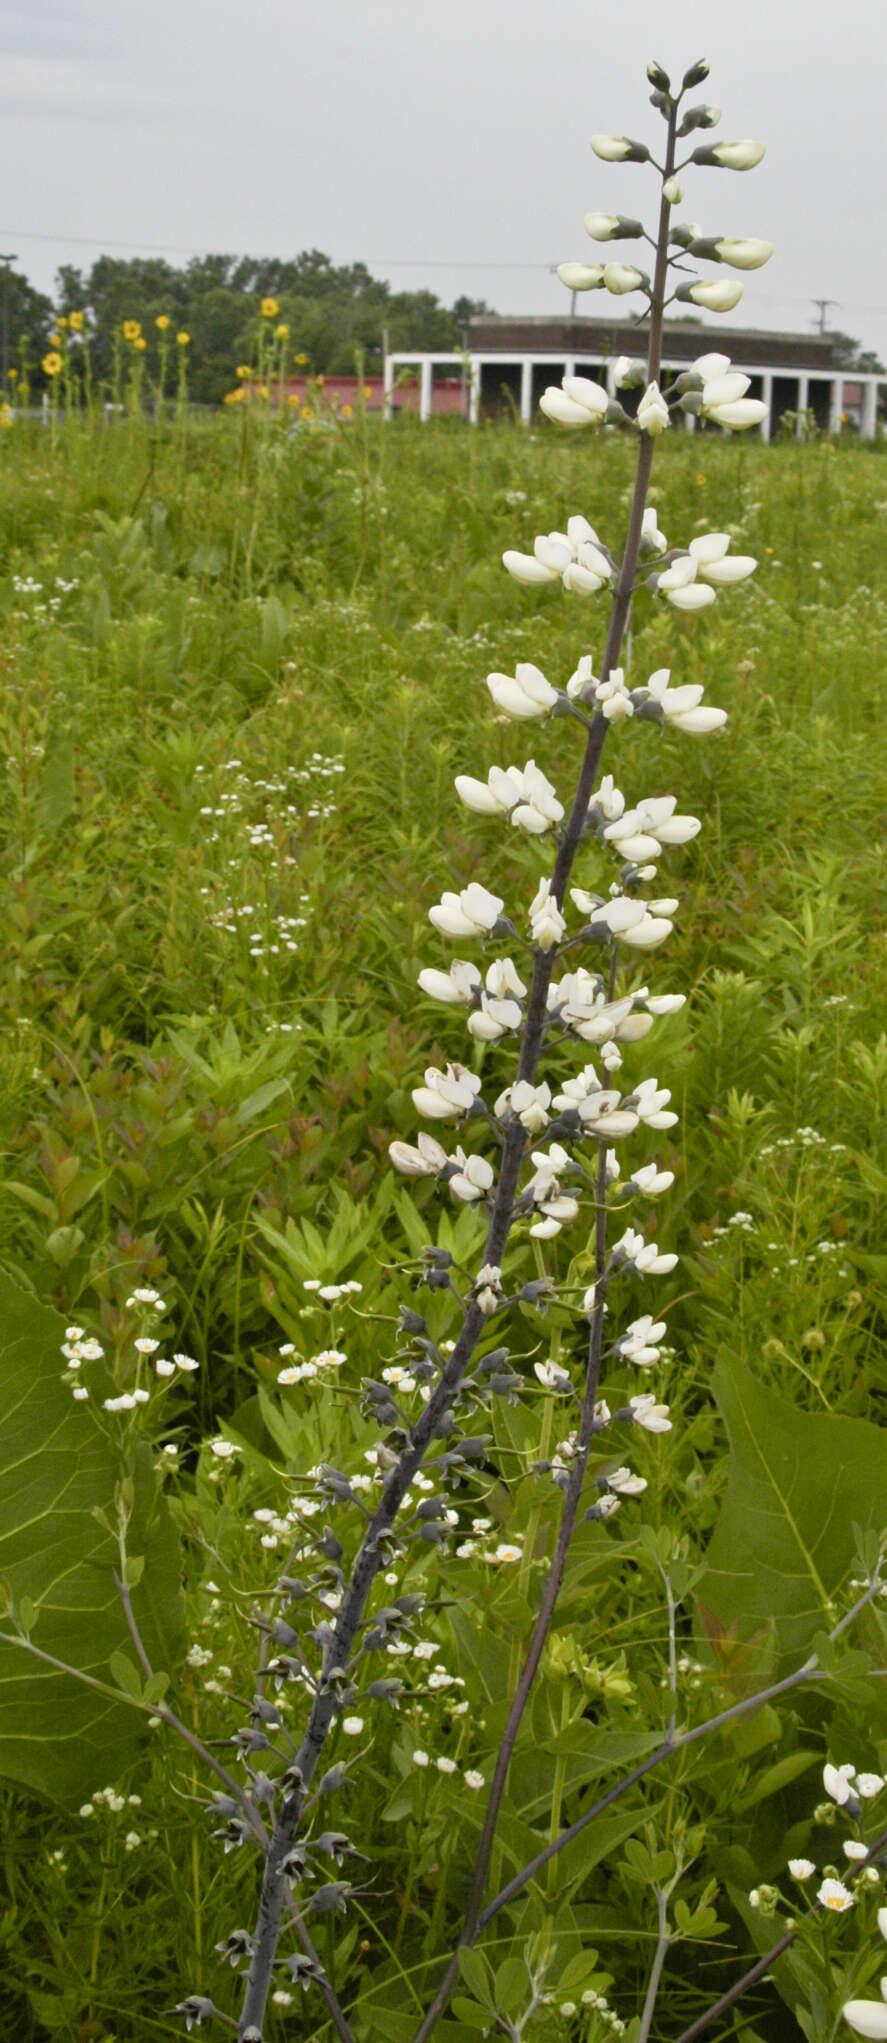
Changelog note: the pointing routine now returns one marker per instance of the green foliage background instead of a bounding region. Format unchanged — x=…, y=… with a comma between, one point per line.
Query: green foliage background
x=240, y=668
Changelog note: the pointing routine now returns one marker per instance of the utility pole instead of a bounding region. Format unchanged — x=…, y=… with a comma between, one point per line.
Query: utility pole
x=4, y=317
x=822, y=306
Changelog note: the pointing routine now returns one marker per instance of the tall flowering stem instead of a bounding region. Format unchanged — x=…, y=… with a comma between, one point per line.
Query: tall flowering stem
x=525, y=1120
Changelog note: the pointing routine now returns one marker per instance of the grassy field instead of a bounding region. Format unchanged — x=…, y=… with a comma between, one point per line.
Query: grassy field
x=240, y=668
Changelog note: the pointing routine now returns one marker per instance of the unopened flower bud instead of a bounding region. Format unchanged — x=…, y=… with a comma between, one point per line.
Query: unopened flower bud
x=730, y=155
x=695, y=75
x=619, y=149
x=658, y=76
x=673, y=191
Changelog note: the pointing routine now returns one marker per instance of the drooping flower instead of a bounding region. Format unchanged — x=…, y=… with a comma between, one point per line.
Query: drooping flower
x=446, y=1095
x=524, y=694
x=473, y=912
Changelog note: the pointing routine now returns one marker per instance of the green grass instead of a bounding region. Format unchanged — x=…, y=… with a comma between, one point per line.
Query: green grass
x=226, y=809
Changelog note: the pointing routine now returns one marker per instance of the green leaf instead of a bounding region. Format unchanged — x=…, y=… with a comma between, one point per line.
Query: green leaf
x=784, y=1542
x=777, y=1776
x=56, y=1470
x=126, y=1675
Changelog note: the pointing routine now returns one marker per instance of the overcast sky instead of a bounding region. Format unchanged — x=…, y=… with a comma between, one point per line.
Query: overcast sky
x=443, y=142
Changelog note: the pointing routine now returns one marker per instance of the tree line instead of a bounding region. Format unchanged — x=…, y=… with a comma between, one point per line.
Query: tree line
x=331, y=312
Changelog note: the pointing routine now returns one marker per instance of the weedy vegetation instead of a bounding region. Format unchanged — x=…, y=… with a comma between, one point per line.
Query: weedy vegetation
x=509, y=1760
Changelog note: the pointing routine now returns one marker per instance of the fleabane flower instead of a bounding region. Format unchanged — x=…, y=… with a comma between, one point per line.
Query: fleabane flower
x=523, y=694
x=653, y=415
x=577, y=400
x=834, y=1895
x=474, y=912
x=446, y=1095
x=547, y=924
x=801, y=1869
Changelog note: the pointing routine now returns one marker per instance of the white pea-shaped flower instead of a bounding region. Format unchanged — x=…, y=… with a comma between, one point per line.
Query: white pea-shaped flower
x=473, y=1181
x=653, y=415
x=424, y=1160
x=622, y=277
x=581, y=276
x=524, y=694
x=867, y=2017
x=730, y=155
x=474, y=912
x=718, y=296
x=446, y=1095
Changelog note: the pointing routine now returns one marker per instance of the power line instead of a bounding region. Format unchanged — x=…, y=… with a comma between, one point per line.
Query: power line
x=392, y=263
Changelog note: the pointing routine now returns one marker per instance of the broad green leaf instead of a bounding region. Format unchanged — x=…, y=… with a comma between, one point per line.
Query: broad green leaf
x=56, y=1470
x=797, y=1484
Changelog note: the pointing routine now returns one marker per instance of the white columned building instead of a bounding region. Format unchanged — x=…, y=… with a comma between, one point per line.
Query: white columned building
x=511, y=377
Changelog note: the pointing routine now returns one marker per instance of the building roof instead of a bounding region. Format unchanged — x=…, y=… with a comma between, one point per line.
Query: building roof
x=681, y=341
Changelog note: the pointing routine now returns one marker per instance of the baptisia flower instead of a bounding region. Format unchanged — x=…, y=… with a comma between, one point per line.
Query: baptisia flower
x=635, y=923
x=527, y=798
x=868, y=2017
x=495, y=1000
x=599, y=1109
x=738, y=254
x=581, y=276
x=715, y=297
x=426, y=1160
x=612, y=227
x=730, y=155
x=653, y=415
x=716, y=391
x=641, y=833
x=680, y=707
x=575, y=557
x=632, y=1251
x=446, y=1095
x=628, y=372
x=474, y=912
x=547, y=924
x=640, y=1342
x=580, y=1003
x=473, y=1180
x=621, y=277
x=619, y=149
x=556, y=1207
x=524, y=694
x=578, y=400
x=551, y=1376
x=647, y=1413
x=528, y=1103
x=838, y=1782
x=652, y=540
